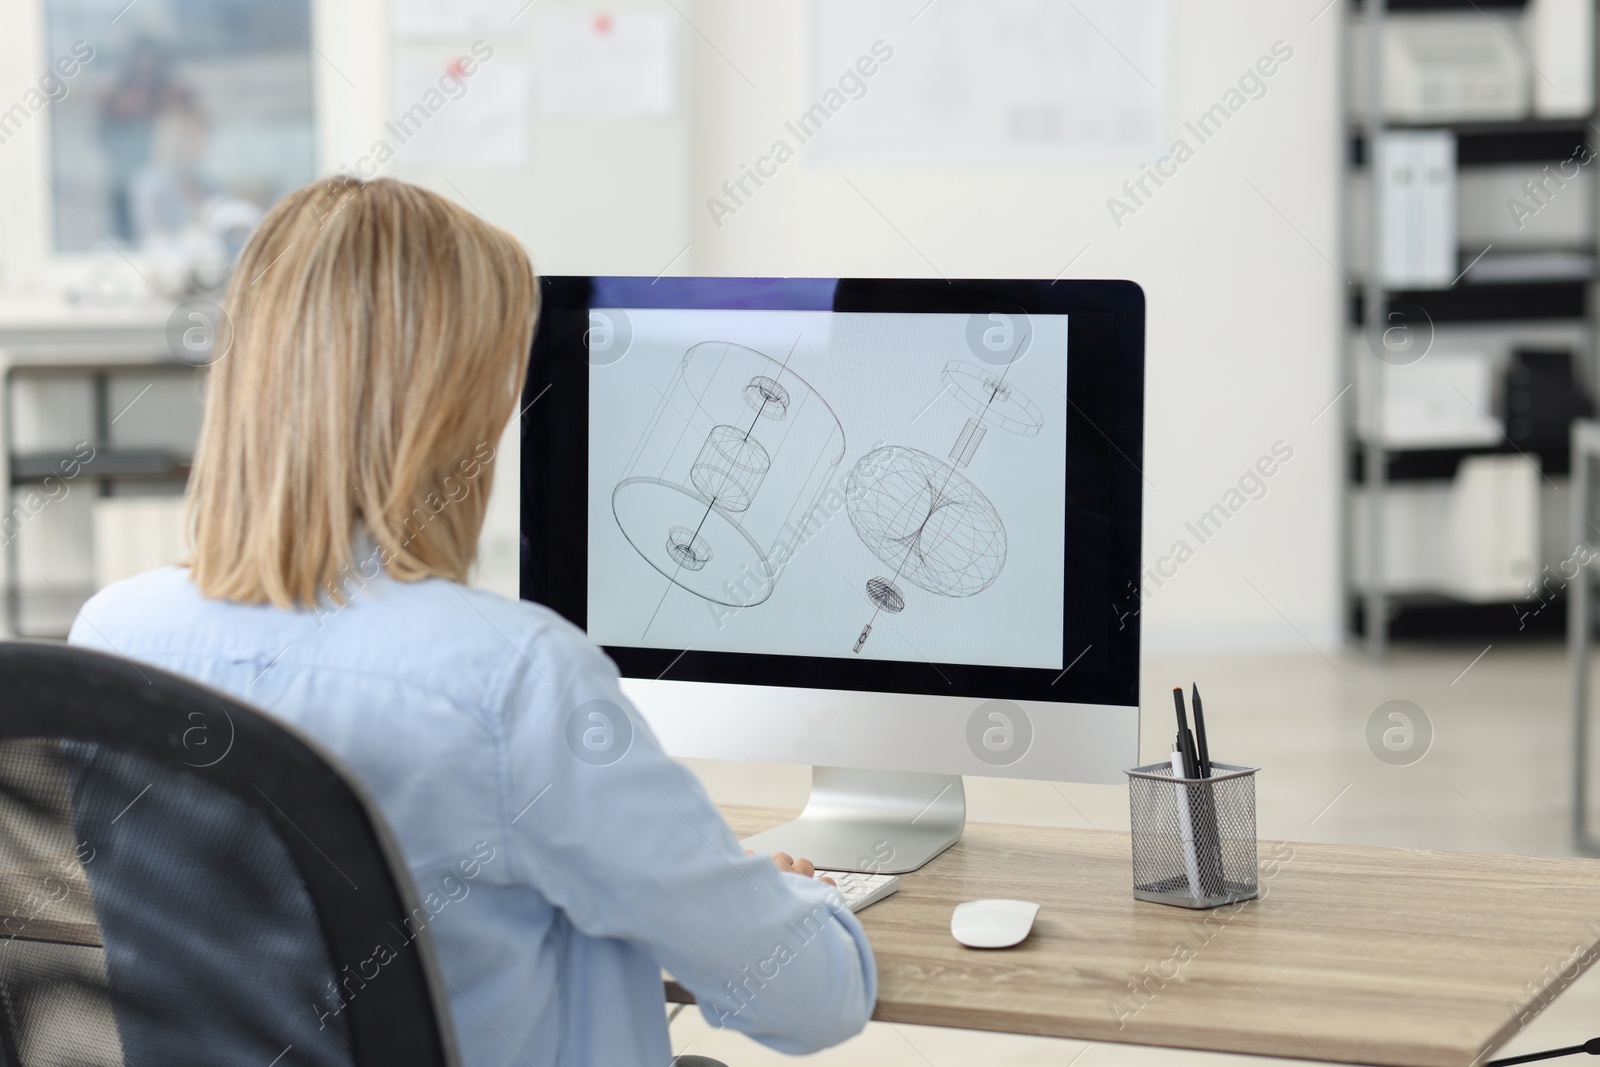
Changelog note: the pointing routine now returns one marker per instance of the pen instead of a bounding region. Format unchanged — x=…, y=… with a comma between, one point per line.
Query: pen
x=1185, y=740
x=1207, y=834
x=1191, y=856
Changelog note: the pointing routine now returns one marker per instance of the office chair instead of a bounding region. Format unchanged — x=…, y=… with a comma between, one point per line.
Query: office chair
x=184, y=881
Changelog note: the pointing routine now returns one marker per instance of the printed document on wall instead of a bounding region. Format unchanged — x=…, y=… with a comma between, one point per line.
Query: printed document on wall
x=621, y=65
x=986, y=81
x=445, y=118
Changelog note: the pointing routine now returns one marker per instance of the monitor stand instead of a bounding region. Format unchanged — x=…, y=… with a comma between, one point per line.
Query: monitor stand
x=883, y=822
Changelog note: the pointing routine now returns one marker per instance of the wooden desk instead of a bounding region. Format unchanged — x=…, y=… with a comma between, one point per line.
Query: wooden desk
x=1352, y=954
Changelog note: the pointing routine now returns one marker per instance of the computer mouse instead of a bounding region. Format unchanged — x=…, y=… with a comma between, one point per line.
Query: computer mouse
x=992, y=923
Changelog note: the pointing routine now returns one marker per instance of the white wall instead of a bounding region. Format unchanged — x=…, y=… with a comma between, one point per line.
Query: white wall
x=1243, y=303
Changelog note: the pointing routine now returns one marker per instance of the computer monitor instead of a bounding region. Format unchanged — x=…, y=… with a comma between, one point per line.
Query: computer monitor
x=888, y=528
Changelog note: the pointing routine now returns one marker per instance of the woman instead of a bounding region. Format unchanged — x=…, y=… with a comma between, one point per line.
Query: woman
x=380, y=337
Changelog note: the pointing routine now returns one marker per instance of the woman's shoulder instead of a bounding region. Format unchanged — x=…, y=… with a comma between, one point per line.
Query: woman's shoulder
x=443, y=604
x=484, y=649
x=477, y=630
x=163, y=581
x=142, y=601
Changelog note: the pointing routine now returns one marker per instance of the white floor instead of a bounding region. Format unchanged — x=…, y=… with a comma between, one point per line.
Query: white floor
x=1496, y=779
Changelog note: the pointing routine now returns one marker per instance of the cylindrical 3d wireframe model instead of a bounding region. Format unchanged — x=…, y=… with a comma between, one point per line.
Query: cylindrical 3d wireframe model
x=724, y=484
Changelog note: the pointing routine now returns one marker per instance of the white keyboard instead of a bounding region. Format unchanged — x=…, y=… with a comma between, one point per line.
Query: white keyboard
x=860, y=890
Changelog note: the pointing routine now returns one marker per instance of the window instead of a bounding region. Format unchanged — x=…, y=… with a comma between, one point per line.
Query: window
x=187, y=120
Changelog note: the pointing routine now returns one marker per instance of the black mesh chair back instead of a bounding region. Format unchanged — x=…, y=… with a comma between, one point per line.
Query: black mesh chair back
x=185, y=881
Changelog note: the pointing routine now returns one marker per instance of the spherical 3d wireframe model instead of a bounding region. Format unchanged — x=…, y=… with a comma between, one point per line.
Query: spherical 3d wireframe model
x=918, y=514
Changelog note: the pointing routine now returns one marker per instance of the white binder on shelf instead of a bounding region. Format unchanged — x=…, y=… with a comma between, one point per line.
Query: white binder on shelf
x=1475, y=538
x=1493, y=517
x=1434, y=153
x=1417, y=171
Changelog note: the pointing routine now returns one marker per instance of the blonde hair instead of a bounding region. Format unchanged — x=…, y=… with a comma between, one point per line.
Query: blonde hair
x=379, y=340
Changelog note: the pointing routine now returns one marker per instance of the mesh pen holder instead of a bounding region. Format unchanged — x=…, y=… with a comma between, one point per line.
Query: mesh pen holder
x=1194, y=839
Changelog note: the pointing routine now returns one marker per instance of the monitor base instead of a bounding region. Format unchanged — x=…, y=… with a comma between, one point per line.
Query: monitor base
x=880, y=822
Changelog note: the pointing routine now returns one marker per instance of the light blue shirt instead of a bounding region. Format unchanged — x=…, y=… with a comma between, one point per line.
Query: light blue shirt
x=594, y=859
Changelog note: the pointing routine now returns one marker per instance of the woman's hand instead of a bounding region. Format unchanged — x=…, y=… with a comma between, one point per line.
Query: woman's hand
x=802, y=867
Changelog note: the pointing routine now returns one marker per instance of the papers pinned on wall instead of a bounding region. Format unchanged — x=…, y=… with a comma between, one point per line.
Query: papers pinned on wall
x=621, y=65
x=447, y=118
x=447, y=18
x=988, y=81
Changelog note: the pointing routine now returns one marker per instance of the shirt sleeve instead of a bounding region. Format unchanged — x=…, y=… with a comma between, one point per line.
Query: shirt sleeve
x=626, y=843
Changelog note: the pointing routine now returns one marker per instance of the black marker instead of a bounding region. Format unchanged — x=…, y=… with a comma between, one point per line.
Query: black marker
x=1203, y=754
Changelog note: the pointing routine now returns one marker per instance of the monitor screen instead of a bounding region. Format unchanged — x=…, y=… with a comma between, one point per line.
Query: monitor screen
x=918, y=487
x=776, y=482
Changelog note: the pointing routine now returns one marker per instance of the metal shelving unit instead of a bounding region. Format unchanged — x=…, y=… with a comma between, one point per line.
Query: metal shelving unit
x=94, y=347
x=1374, y=467
x=1374, y=461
